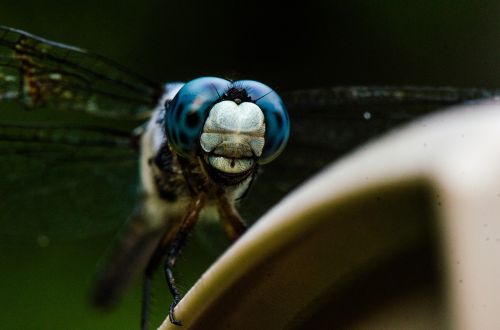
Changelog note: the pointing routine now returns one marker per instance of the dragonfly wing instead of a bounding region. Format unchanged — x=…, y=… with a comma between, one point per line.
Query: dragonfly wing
x=63, y=181
x=38, y=73
x=67, y=173
x=128, y=257
x=328, y=123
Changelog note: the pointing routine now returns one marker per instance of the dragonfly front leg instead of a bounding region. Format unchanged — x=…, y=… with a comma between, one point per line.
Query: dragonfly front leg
x=146, y=301
x=153, y=264
x=233, y=223
x=174, y=250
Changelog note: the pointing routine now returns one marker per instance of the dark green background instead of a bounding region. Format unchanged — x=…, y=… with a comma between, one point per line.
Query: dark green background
x=288, y=46
x=292, y=45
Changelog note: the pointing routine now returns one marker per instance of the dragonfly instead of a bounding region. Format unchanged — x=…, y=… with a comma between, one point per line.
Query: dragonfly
x=203, y=147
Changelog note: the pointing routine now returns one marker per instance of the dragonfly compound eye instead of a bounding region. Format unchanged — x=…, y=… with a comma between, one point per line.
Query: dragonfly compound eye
x=236, y=123
x=186, y=114
x=275, y=117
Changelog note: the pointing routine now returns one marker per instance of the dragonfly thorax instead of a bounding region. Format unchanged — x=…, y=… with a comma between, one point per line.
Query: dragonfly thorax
x=233, y=136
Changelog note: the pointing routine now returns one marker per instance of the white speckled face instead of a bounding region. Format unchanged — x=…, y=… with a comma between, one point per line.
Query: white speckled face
x=233, y=136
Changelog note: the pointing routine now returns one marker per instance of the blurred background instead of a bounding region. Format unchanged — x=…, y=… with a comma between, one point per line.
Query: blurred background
x=297, y=45
x=291, y=45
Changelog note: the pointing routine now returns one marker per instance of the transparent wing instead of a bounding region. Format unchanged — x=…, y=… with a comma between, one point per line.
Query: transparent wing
x=67, y=180
x=328, y=123
x=38, y=72
x=64, y=181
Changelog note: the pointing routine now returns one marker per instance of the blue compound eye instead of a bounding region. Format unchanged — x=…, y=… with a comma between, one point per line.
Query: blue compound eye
x=275, y=114
x=186, y=114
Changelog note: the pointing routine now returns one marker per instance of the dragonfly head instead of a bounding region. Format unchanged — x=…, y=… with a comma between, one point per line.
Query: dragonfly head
x=233, y=125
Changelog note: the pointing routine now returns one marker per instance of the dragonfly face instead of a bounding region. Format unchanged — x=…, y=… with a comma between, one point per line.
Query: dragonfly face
x=236, y=124
x=202, y=148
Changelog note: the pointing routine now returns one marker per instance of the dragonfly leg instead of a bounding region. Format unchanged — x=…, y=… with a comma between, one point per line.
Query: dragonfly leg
x=233, y=223
x=154, y=262
x=174, y=251
x=162, y=248
x=146, y=301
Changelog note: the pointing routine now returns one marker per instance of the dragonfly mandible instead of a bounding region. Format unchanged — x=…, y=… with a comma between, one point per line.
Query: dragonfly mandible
x=196, y=161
